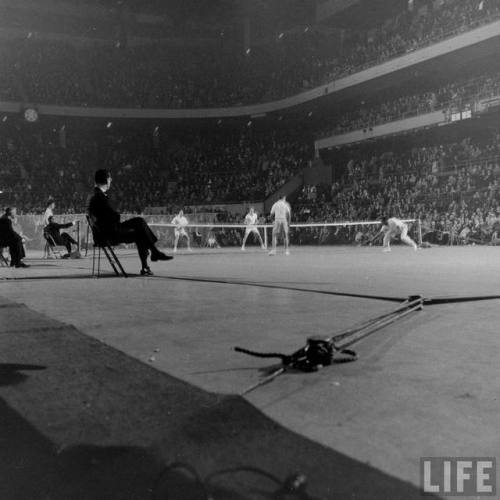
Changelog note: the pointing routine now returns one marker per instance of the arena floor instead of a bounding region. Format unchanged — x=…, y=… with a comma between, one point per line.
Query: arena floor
x=146, y=365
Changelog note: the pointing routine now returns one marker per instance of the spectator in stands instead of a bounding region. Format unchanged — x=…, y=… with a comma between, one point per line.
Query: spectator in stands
x=457, y=205
x=57, y=72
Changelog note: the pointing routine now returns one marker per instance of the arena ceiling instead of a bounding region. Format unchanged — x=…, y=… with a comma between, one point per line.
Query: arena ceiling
x=207, y=8
x=201, y=18
x=267, y=17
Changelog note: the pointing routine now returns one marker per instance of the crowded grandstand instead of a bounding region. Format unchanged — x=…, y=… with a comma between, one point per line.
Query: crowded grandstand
x=449, y=183
x=220, y=131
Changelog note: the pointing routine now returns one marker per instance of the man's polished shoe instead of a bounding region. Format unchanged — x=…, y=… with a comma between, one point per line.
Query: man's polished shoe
x=160, y=256
x=21, y=264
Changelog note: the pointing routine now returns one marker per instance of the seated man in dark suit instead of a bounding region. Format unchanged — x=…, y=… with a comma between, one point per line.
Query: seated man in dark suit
x=134, y=230
x=53, y=230
x=9, y=238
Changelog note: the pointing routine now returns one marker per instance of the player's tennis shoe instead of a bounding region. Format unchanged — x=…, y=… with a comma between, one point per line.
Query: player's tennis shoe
x=287, y=252
x=386, y=250
x=272, y=252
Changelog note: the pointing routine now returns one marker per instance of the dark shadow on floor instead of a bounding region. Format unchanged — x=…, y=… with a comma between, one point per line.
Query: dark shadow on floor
x=280, y=286
x=31, y=467
x=12, y=373
x=64, y=277
x=110, y=411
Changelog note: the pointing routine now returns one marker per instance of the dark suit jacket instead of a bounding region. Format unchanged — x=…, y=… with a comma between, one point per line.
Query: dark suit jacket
x=53, y=229
x=7, y=233
x=107, y=219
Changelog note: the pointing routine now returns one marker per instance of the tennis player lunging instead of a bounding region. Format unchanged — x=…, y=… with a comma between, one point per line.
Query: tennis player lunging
x=282, y=215
x=180, y=222
x=392, y=227
x=250, y=221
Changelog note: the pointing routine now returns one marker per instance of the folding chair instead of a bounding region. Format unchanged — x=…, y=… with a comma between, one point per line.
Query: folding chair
x=3, y=260
x=51, y=247
x=100, y=242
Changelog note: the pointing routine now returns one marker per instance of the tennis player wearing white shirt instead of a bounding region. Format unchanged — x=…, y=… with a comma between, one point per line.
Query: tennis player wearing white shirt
x=282, y=214
x=392, y=227
x=49, y=212
x=180, y=222
x=250, y=221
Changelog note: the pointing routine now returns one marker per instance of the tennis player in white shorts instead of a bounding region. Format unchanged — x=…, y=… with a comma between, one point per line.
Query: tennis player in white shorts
x=393, y=227
x=250, y=221
x=282, y=213
x=180, y=222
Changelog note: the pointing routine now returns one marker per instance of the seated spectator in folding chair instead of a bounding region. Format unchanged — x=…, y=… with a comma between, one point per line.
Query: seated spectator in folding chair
x=133, y=230
x=12, y=239
x=53, y=231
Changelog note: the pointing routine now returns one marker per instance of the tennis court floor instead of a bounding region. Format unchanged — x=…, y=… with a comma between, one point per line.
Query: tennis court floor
x=424, y=386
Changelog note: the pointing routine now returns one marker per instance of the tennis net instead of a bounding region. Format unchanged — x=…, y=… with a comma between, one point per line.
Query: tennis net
x=214, y=235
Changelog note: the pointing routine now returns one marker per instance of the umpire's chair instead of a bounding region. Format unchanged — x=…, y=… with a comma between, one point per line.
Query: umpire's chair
x=101, y=241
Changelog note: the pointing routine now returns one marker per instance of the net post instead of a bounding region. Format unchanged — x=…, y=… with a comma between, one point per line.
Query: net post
x=419, y=229
x=265, y=237
x=78, y=235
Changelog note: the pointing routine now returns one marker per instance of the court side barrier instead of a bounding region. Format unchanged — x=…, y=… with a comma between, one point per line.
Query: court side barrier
x=31, y=227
